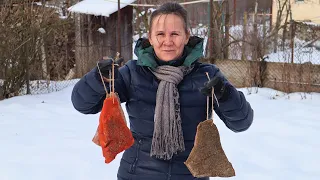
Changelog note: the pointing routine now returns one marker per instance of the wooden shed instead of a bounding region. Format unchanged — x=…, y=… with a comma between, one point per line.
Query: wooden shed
x=96, y=34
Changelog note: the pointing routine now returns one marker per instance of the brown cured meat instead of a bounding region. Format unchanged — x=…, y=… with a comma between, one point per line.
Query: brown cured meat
x=207, y=158
x=112, y=134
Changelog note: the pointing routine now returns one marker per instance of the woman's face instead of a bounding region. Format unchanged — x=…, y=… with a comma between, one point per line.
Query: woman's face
x=168, y=36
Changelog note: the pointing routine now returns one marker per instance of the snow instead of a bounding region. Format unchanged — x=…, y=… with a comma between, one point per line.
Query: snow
x=102, y=30
x=55, y=5
x=44, y=137
x=149, y=11
x=99, y=7
x=301, y=56
x=312, y=23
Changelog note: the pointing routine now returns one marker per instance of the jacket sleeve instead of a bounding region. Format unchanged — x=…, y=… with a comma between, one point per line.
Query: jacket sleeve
x=88, y=93
x=236, y=111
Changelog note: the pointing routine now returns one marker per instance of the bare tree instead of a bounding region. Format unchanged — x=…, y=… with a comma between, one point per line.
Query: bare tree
x=32, y=45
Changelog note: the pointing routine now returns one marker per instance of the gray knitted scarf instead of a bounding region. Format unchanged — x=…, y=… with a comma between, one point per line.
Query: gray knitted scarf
x=168, y=136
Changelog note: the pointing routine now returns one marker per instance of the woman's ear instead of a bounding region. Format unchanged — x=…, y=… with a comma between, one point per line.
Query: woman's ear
x=187, y=37
x=150, y=39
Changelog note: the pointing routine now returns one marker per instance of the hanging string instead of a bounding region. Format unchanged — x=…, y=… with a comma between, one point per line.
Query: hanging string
x=111, y=77
x=208, y=107
x=212, y=101
x=214, y=95
x=104, y=85
x=110, y=83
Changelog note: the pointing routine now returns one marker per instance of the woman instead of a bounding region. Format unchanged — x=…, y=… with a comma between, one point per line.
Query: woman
x=163, y=100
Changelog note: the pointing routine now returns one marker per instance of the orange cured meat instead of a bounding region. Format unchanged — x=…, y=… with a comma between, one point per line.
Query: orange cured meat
x=113, y=134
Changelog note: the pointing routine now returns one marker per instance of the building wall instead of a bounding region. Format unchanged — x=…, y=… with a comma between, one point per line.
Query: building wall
x=307, y=10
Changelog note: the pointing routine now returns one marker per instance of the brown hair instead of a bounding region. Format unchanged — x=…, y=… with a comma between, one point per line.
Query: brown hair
x=171, y=8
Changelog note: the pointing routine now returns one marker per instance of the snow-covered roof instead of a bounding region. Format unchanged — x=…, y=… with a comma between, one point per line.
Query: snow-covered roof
x=99, y=7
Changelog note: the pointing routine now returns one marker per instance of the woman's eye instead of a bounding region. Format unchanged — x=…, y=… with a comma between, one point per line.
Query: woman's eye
x=175, y=34
x=160, y=34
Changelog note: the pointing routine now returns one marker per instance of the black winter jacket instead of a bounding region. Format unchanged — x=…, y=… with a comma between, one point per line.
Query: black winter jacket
x=137, y=88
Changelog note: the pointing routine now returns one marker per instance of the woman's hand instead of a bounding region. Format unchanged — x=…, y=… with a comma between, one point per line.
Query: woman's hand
x=105, y=66
x=221, y=89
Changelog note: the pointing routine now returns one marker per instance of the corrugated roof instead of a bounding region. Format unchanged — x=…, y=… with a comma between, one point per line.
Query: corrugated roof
x=99, y=7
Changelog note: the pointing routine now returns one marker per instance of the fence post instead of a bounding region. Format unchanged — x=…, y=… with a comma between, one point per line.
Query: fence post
x=119, y=28
x=264, y=34
x=292, y=32
x=25, y=50
x=244, y=35
x=255, y=34
x=234, y=12
x=78, y=45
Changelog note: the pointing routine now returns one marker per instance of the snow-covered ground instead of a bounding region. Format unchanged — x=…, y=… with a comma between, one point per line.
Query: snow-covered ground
x=43, y=137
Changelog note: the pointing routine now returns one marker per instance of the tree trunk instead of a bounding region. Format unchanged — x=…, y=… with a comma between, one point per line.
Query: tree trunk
x=78, y=45
x=227, y=37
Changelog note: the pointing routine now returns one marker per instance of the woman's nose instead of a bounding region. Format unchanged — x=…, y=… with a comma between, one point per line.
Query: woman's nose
x=168, y=40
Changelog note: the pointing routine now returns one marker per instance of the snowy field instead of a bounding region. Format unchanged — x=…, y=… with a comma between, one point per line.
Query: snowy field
x=43, y=138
